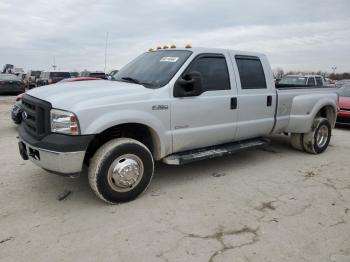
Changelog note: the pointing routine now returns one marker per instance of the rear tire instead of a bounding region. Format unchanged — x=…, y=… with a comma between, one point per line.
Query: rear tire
x=317, y=140
x=120, y=170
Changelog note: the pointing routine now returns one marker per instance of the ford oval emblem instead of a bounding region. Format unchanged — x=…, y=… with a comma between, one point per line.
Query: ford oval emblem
x=24, y=115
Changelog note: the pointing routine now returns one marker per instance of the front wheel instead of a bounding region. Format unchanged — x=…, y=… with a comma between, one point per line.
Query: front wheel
x=317, y=140
x=121, y=170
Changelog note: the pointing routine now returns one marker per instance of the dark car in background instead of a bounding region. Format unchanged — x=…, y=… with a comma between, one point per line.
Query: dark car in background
x=51, y=77
x=31, y=77
x=74, y=74
x=101, y=75
x=11, y=84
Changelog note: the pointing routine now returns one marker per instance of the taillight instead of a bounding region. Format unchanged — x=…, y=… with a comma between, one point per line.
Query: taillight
x=338, y=108
x=50, y=81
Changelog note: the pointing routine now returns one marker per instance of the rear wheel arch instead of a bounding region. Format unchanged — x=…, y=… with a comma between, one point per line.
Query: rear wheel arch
x=328, y=112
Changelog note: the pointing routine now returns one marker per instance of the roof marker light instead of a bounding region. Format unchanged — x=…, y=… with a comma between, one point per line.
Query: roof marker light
x=150, y=49
x=159, y=47
x=165, y=47
x=188, y=46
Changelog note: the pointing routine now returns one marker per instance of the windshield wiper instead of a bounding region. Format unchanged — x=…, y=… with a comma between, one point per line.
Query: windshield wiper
x=130, y=79
x=134, y=80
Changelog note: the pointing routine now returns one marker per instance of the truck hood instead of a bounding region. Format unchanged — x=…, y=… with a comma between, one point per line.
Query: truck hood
x=72, y=94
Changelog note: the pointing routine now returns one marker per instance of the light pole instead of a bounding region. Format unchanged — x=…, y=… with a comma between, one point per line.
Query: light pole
x=106, y=52
x=334, y=68
x=54, y=64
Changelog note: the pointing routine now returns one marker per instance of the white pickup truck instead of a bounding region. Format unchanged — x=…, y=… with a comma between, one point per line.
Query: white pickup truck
x=176, y=105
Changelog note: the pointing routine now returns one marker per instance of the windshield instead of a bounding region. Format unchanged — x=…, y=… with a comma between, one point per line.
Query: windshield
x=9, y=77
x=344, y=91
x=153, y=69
x=60, y=74
x=103, y=75
x=293, y=80
x=35, y=73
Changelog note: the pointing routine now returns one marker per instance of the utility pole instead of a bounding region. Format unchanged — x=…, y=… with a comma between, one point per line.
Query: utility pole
x=106, y=52
x=54, y=66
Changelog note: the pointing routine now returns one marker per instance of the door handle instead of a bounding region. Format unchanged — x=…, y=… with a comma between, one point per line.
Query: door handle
x=233, y=103
x=269, y=101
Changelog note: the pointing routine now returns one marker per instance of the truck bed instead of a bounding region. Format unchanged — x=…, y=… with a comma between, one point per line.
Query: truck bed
x=291, y=106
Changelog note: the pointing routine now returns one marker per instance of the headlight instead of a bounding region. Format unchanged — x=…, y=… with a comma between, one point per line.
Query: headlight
x=64, y=122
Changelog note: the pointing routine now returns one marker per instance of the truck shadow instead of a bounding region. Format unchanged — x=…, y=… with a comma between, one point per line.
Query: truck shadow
x=226, y=164
x=166, y=177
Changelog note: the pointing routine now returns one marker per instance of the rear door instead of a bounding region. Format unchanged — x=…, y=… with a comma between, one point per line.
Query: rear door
x=209, y=118
x=319, y=81
x=256, y=96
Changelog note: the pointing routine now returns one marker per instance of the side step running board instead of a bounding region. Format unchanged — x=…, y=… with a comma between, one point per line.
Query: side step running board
x=212, y=151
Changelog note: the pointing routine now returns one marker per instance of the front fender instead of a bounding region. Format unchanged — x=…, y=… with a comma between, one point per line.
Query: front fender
x=306, y=107
x=158, y=129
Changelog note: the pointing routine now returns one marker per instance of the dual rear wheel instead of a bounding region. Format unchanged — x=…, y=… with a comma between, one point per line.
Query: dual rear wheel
x=317, y=140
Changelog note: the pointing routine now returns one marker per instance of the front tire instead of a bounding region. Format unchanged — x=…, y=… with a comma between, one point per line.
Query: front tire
x=120, y=170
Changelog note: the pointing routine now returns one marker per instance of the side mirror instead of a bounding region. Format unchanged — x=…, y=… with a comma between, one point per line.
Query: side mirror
x=188, y=85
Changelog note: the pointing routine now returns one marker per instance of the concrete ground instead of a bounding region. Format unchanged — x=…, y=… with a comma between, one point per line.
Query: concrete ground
x=270, y=204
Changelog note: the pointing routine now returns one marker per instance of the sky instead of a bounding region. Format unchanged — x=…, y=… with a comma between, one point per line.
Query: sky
x=295, y=34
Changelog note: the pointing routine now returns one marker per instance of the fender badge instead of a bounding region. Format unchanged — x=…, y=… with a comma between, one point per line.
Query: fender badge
x=160, y=107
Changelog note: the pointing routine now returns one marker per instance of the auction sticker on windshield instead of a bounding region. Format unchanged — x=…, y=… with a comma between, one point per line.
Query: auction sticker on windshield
x=170, y=59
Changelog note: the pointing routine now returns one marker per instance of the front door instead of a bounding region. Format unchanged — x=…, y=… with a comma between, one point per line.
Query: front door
x=206, y=119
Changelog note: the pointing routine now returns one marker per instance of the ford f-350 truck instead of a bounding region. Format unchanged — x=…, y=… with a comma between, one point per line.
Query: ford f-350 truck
x=173, y=105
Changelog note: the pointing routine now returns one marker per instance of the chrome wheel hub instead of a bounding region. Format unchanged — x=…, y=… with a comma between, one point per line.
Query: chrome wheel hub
x=125, y=172
x=322, y=136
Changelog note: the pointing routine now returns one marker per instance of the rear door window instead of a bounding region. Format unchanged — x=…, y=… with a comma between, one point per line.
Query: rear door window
x=319, y=81
x=251, y=72
x=311, y=81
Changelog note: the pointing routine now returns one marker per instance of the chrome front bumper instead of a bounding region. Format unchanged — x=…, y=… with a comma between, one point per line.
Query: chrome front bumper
x=64, y=163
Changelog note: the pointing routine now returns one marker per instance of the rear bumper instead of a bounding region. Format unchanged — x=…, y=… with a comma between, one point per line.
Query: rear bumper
x=343, y=117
